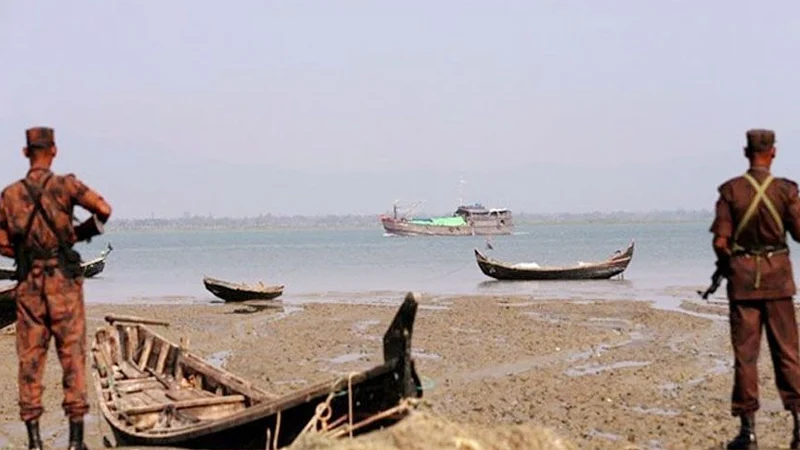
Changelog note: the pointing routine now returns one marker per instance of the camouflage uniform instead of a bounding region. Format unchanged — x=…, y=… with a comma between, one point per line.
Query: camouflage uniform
x=754, y=211
x=36, y=214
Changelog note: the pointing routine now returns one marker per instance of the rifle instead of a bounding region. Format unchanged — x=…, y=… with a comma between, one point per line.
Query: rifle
x=723, y=269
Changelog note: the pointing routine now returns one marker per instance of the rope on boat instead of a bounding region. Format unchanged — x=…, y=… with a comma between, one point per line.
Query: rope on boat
x=319, y=415
x=405, y=405
x=337, y=429
x=277, y=431
x=464, y=266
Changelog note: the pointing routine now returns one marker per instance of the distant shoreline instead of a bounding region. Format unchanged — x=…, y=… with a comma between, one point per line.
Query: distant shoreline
x=370, y=221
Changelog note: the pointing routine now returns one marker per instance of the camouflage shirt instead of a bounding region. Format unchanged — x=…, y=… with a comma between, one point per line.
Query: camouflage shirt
x=59, y=195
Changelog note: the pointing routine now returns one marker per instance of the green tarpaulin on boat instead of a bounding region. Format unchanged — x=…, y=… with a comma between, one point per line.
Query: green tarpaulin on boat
x=441, y=221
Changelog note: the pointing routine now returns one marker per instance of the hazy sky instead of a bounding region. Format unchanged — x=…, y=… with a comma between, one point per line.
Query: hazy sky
x=345, y=106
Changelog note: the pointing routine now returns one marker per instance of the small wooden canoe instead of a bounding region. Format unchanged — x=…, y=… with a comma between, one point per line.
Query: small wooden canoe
x=91, y=268
x=154, y=392
x=239, y=292
x=94, y=266
x=614, y=265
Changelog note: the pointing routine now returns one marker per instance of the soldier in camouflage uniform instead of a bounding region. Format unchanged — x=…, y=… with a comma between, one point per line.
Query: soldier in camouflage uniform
x=36, y=230
x=753, y=213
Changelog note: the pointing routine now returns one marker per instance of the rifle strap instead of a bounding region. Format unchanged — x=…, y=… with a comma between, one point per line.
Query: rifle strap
x=36, y=193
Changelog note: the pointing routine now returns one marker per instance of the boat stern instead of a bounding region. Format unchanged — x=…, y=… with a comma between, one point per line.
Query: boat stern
x=397, y=347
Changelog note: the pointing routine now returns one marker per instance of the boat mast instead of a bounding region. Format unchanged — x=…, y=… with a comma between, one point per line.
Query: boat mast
x=461, y=184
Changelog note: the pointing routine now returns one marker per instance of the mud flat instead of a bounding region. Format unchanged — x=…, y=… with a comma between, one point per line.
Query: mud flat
x=611, y=374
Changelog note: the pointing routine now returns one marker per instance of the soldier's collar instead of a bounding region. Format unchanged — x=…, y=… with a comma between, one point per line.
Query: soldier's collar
x=759, y=169
x=37, y=169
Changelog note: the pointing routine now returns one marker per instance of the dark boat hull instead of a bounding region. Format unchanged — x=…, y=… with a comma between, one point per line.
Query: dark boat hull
x=233, y=294
x=500, y=270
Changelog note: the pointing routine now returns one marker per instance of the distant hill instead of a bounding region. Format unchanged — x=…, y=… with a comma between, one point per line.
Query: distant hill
x=367, y=221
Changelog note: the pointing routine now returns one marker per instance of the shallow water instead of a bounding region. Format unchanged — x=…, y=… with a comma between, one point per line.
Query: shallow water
x=670, y=263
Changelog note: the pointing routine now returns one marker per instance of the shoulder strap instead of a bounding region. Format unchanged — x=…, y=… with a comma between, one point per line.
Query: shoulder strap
x=36, y=196
x=757, y=200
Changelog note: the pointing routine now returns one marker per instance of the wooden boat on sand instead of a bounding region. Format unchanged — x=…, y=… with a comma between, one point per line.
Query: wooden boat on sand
x=614, y=265
x=239, y=292
x=154, y=392
x=91, y=268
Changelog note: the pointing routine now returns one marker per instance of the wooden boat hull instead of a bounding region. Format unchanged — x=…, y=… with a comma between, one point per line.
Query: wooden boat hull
x=258, y=418
x=239, y=293
x=400, y=227
x=91, y=268
x=94, y=268
x=500, y=270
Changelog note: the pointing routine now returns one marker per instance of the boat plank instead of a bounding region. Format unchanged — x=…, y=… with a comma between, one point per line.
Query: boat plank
x=162, y=356
x=239, y=384
x=159, y=395
x=204, y=402
x=148, y=347
x=138, y=385
x=130, y=344
x=130, y=371
x=184, y=394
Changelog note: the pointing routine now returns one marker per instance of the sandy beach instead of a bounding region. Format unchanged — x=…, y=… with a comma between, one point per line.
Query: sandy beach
x=612, y=374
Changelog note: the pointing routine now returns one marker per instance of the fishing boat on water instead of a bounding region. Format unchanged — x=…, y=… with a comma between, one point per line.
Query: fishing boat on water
x=240, y=292
x=154, y=392
x=91, y=268
x=467, y=220
x=614, y=265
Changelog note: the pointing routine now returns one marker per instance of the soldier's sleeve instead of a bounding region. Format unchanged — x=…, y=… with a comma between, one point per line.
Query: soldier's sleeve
x=723, y=221
x=792, y=210
x=87, y=198
x=6, y=249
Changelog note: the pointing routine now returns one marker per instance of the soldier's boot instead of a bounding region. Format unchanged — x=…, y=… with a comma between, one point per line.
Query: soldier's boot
x=34, y=439
x=796, y=432
x=746, y=439
x=76, y=435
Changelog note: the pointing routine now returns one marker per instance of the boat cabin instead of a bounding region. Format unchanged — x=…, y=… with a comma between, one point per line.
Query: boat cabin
x=478, y=212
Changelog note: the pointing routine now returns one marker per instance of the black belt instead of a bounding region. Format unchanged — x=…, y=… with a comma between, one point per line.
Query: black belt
x=39, y=254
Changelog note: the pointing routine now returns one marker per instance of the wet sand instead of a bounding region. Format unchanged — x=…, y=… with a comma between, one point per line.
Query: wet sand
x=611, y=374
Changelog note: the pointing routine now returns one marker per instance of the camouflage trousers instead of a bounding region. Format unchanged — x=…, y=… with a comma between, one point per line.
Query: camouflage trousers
x=50, y=304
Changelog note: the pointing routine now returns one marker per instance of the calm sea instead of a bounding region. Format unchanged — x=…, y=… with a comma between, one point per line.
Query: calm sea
x=671, y=261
